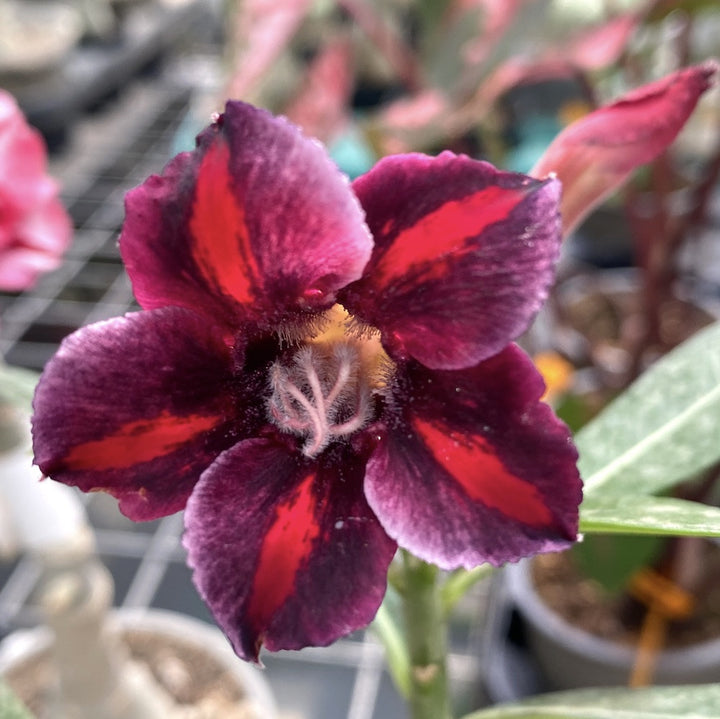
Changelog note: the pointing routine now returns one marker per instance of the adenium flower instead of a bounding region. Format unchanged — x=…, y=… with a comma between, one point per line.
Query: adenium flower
x=320, y=372
x=34, y=227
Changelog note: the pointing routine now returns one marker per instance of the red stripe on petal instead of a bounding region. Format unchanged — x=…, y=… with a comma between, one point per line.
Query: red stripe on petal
x=483, y=476
x=222, y=243
x=138, y=442
x=286, y=546
x=446, y=229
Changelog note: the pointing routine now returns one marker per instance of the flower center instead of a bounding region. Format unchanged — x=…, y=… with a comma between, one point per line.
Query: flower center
x=325, y=391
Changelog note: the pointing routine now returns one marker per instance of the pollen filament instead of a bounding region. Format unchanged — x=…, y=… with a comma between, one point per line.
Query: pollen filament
x=322, y=395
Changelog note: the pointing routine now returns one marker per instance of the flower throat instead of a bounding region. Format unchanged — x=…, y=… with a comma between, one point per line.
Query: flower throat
x=324, y=391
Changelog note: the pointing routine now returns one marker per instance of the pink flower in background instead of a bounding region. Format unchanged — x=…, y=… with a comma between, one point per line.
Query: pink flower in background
x=595, y=155
x=34, y=226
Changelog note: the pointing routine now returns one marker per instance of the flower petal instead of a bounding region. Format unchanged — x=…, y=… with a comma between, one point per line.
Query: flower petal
x=464, y=255
x=256, y=223
x=286, y=552
x=595, y=155
x=601, y=45
x=34, y=227
x=20, y=267
x=478, y=469
x=138, y=406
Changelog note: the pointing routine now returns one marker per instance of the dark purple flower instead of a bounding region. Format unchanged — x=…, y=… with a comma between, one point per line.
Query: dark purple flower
x=317, y=389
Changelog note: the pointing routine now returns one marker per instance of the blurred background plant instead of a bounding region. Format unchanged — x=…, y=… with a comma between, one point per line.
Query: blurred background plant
x=642, y=280
x=432, y=74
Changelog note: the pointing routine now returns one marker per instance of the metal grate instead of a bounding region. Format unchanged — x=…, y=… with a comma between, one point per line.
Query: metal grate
x=111, y=152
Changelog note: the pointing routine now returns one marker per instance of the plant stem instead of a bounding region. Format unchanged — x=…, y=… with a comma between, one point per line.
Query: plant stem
x=426, y=632
x=458, y=584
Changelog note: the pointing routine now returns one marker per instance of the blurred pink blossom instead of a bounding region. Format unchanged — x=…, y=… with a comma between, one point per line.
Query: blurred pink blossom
x=321, y=107
x=34, y=227
x=261, y=30
x=596, y=154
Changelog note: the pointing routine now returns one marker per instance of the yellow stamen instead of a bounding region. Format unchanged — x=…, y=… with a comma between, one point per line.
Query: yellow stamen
x=339, y=326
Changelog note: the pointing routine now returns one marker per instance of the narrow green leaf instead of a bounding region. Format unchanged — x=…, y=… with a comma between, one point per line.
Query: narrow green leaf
x=460, y=582
x=685, y=702
x=389, y=632
x=631, y=514
x=663, y=429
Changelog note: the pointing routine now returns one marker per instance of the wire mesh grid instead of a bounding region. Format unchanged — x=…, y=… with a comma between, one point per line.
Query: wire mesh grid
x=111, y=152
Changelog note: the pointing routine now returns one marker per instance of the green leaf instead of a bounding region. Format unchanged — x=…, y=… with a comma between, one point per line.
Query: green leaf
x=660, y=10
x=686, y=702
x=460, y=582
x=17, y=386
x=631, y=514
x=387, y=626
x=10, y=706
x=612, y=559
x=662, y=430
